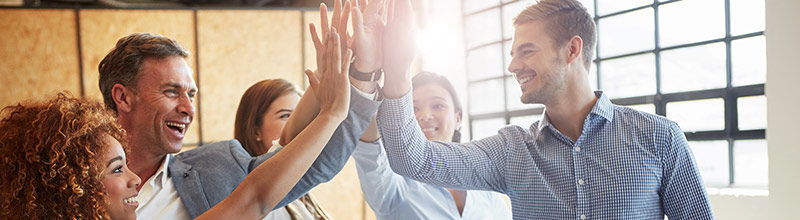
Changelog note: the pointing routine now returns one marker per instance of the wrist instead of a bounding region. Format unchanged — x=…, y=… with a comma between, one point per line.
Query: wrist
x=336, y=116
x=397, y=84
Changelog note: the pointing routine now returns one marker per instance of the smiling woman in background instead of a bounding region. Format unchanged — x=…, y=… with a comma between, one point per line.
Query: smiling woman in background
x=263, y=111
x=392, y=196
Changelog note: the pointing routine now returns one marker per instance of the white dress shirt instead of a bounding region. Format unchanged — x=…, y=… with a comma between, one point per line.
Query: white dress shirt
x=158, y=198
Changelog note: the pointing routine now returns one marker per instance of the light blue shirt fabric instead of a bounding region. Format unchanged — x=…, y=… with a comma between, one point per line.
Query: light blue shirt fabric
x=625, y=164
x=392, y=196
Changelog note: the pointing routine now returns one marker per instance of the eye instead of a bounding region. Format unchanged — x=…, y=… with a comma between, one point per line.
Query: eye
x=416, y=109
x=284, y=116
x=171, y=93
x=117, y=170
x=439, y=106
x=192, y=94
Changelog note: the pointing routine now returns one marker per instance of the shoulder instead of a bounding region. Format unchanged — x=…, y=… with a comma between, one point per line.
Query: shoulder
x=642, y=121
x=221, y=152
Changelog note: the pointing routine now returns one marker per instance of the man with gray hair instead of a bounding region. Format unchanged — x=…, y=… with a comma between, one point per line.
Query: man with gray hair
x=587, y=158
x=146, y=81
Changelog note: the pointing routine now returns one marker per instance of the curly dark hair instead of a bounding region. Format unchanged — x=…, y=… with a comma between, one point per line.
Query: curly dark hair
x=49, y=151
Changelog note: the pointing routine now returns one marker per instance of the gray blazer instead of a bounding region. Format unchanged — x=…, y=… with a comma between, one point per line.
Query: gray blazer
x=206, y=175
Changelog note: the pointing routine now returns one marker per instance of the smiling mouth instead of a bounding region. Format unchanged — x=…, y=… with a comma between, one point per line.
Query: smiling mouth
x=180, y=127
x=525, y=78
x=134, y=200
x=427, y=130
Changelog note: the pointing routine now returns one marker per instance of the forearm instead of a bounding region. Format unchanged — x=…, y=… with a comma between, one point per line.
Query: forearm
x=474, y=165
x=339, y=148
x=267, y=184
x=307, y=108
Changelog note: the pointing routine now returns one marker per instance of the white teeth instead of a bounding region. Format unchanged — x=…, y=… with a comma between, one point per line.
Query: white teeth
x=131, y=200
x=428, y=129
x=524, y=79
x=176, y=125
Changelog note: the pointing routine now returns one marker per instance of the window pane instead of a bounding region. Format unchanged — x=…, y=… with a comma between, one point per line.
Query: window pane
x=513, y=94
x=510, y=12
x=486, y=127
x=712, y=159
x=752, y=112
x=629, y=76
x=747, y=16
x=649, y=108
x=507, y=55
x=611, y=6
x=625, y=33
x=477, y=5
x=485, y=97
x=684, y=22
x=693, y=68
x=750, y=163
x=748, y=61
x=525, y=121
x=698, y=115
x=485, y=62
x=482, y=28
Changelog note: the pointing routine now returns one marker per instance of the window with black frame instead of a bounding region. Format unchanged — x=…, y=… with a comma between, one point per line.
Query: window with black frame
x=701, y=63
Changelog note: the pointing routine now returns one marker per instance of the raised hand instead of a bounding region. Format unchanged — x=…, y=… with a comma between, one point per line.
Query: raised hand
x=332, y=86
x=399, y=48
x=368, y=23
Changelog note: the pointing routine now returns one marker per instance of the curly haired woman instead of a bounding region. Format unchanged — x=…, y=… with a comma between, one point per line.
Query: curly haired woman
x=56, y=163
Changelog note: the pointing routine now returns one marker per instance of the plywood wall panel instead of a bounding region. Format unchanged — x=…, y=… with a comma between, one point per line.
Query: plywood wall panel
x=237, y=49
x=39, y=55
x=102, y=28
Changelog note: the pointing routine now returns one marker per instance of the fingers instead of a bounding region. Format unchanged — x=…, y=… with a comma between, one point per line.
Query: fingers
x=323, y=16
x=315, y=37
x=358, y=23
x=337, y=12
x=343, y=21
x=337, y=51
x=313, y=81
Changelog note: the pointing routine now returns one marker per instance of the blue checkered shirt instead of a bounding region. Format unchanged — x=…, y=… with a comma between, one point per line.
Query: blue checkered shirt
x=626, y=164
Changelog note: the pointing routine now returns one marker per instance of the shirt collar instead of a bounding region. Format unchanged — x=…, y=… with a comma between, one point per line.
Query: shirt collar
x=603, y=108
x=161, y=173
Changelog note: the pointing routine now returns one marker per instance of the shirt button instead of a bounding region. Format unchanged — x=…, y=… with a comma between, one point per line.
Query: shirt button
x=581, y=182
x=583, y=216
x=578, y=149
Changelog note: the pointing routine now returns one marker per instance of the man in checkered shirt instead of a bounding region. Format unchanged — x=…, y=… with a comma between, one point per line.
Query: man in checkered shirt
x=587, y=158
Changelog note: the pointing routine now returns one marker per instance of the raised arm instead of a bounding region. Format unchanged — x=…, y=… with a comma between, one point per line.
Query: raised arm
x=362, y=36
x=475, y=165
x=268, y=183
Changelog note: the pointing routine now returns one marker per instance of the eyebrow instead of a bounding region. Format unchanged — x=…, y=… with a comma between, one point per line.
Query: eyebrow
x=284, y=110
x=114, y=159
x=520, y=47
x=435, y=97
x=177, y=86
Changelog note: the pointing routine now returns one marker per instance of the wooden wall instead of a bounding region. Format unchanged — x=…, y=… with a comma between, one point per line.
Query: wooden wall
x=50, y=50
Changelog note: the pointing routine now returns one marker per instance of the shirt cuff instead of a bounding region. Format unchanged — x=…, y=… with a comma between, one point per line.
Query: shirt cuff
x=370, y=96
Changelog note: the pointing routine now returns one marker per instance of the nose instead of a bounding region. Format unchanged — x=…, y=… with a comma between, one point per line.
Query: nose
x=185, y=105
x=424, y=115
x=134, y=180
x=515, y=66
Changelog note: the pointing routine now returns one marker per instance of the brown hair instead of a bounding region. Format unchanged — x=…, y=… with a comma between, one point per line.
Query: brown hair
x=425, y=78
x=49, y=153
x=563, y=19
x=123, y=64
x=254, y=103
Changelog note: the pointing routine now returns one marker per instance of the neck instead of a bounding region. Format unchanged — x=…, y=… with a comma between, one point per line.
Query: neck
x=568, y=112
x=140, y=161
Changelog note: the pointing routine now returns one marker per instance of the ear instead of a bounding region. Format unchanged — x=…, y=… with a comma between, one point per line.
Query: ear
x=574, y=49
x=123, y=97
x=458, y=120
x=258, y=134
